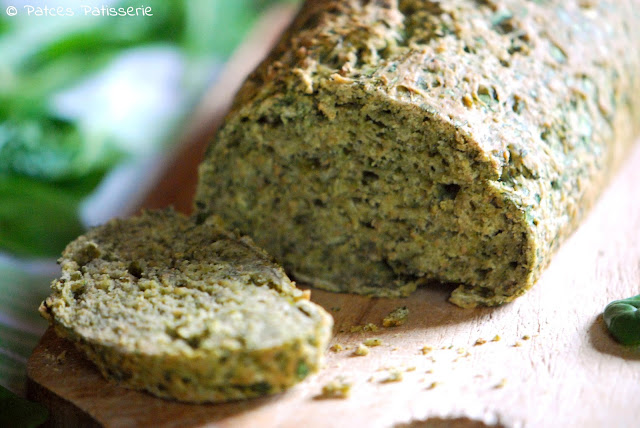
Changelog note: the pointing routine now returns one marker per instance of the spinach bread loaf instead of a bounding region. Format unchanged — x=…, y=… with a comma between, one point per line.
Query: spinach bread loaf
x=185, y=311
x=387, y=143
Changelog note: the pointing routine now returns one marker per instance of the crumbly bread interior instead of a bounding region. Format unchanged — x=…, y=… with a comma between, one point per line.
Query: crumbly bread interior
x=185, y=310
x=387, y=143
x=374, y=205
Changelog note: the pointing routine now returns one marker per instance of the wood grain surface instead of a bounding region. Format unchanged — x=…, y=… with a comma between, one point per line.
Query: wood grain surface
x=568, y=373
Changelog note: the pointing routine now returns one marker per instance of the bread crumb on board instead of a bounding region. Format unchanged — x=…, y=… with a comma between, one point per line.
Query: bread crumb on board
x=394, y=375
x=426, y=349
x=396, y=318
x=361, y=350
x=373, y=342
x=502, y=384
x=479, y=341
x=339, y=387
x=496, y=338
x=363, y=328
x=336, y=347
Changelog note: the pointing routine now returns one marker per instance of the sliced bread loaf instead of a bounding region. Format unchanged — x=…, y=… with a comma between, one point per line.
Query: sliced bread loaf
x=386, y=143
x=185, y=311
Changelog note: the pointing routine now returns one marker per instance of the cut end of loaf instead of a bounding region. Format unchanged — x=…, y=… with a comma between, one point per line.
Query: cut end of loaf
x=385, y=143
x=355, y=193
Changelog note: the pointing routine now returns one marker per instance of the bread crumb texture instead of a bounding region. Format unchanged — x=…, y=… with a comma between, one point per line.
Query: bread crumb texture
x=501, y=384
x=373, y=342
x=369, y=327
x=185, y=310
x=362, y=350
x=426, y=349
x=396, y=318
x=339, y=387
x=336, y=347
x=393, y=375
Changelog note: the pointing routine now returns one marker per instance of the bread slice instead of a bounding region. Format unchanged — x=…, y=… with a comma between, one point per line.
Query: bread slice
x=185, y=311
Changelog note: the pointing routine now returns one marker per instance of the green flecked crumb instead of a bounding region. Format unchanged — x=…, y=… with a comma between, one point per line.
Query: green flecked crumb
x=373, y=342
x=362, y=350
x=396, y=318
x=336, y=347
x=339, y=387
x=394, y=375
x=369, y=327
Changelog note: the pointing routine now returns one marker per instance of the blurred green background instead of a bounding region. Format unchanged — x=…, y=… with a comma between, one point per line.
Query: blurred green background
x=78, y=95
x=81, y=96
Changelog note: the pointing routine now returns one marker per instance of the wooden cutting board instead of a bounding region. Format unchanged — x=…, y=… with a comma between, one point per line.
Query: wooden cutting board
x=554, y=364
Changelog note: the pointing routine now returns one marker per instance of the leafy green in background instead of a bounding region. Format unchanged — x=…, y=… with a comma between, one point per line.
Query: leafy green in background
x=46, y=147
x=67, y=120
